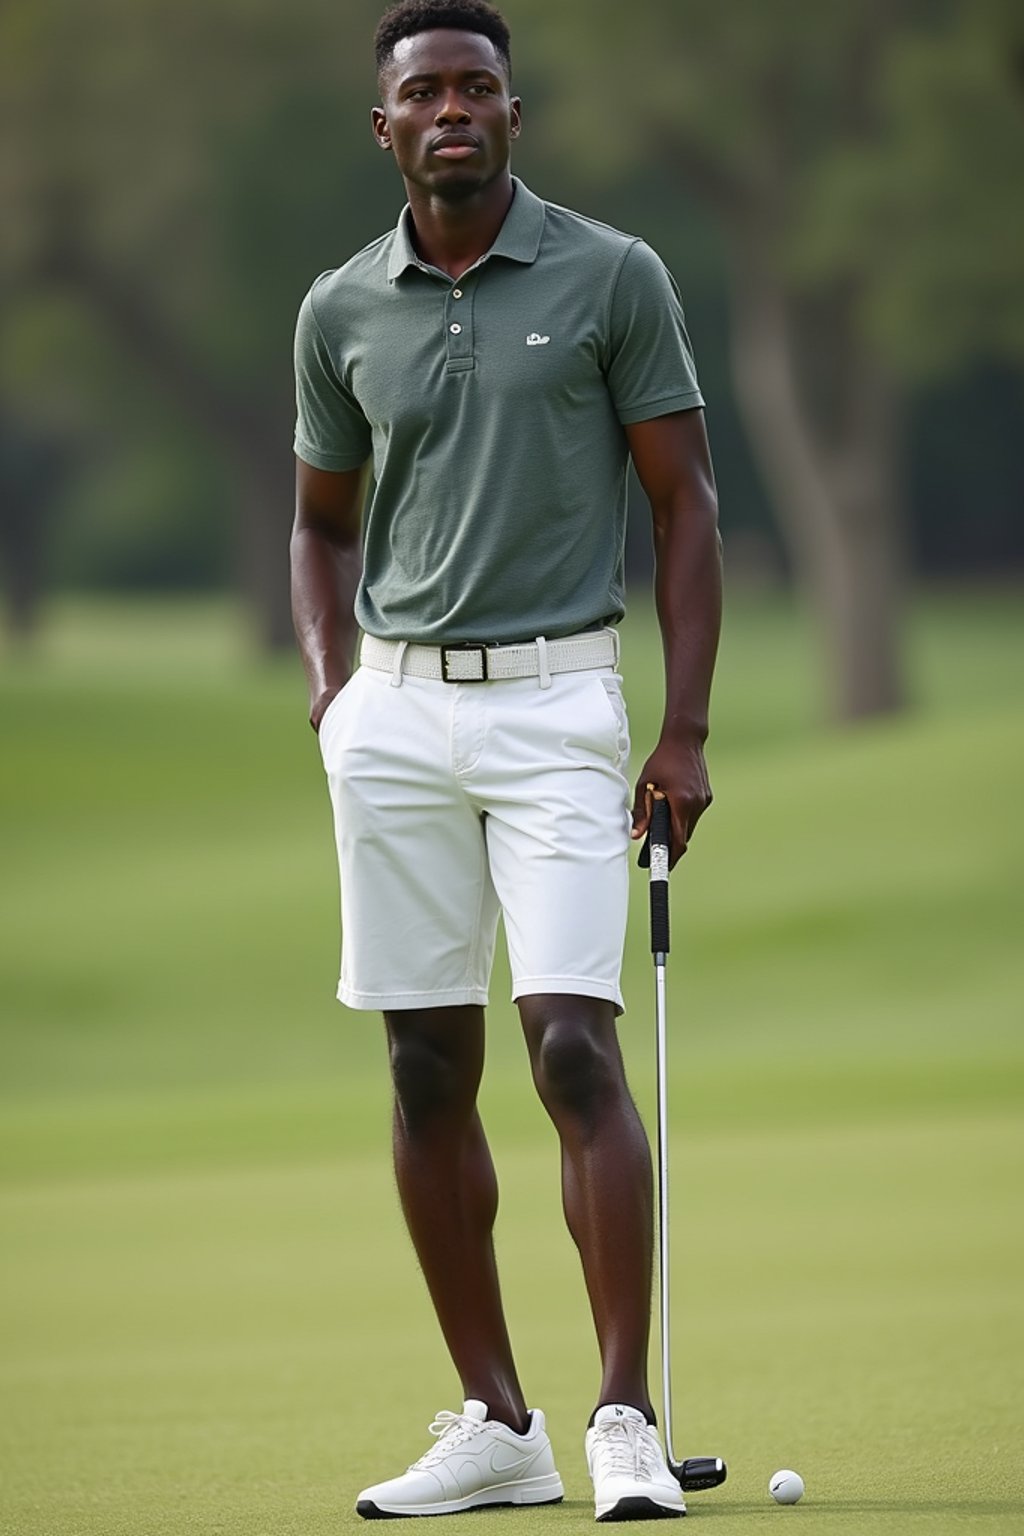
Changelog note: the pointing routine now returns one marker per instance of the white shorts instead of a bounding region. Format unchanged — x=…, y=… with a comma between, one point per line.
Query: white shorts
x=456, y=802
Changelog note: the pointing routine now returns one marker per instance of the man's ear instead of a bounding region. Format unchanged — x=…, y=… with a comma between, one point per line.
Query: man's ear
x=379, y=124
x=515, y=108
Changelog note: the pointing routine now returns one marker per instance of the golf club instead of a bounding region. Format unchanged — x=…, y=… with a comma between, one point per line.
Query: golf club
x=693, y=1472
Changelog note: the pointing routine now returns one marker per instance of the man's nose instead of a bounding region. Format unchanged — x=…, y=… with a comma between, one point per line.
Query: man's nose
x=452, y=110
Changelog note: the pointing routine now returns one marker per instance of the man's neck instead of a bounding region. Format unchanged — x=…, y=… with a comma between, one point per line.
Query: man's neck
x=454, y=235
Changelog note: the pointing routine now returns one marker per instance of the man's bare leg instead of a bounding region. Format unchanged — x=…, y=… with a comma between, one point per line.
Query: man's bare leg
x=449, y=1194
x=607, y=1186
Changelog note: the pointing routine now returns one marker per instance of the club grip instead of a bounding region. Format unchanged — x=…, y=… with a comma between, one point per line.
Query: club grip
x=660, y=846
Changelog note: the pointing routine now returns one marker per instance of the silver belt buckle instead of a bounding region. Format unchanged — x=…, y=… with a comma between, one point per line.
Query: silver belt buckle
x=446, y=653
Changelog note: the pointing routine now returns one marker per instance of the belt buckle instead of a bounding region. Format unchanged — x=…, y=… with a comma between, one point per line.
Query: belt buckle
x=465, y=646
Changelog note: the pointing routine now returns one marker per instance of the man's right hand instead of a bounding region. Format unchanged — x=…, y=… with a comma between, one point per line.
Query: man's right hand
x=321, y=705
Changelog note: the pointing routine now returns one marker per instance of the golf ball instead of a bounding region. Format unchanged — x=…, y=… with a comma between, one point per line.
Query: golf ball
x=786, y=1487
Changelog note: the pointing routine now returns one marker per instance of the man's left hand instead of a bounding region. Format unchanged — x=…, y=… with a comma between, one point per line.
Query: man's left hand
x=678, y=769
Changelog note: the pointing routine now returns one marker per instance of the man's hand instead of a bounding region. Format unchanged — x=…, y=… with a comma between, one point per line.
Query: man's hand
x=322, y=704
x=679, y=771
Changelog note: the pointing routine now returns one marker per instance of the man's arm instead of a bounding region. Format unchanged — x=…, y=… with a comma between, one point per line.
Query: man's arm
x=673, y=462
x=326, y=564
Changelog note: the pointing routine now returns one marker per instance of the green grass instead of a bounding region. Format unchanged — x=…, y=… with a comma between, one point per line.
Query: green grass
x=209, y=1313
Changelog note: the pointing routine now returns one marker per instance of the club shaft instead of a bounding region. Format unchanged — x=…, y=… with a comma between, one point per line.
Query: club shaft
x=664, y=1256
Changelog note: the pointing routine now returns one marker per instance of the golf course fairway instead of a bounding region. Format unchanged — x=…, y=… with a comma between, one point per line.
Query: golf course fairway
x=210, y=1315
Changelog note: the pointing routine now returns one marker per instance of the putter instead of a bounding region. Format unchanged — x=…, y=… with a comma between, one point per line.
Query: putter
x=693, y=1472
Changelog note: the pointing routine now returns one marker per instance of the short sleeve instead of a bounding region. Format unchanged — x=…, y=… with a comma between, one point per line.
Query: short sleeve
x=650, y=367
x=331, y=431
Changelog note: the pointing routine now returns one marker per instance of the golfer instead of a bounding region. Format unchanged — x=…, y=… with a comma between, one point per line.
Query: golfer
x=496, y=360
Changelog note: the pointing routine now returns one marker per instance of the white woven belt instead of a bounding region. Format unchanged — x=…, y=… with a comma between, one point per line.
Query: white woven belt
x=488, y=663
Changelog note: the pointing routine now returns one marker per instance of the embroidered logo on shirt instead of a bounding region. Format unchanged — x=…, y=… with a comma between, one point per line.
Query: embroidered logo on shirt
x=533, y=340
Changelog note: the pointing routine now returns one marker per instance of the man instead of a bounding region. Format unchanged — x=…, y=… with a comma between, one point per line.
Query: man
x=497, y=359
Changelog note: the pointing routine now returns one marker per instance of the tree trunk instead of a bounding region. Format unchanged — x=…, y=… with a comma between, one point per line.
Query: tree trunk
x=254, y=438
x=835, y=495
x=32, y=468
x=22, y=582
x=265, y=476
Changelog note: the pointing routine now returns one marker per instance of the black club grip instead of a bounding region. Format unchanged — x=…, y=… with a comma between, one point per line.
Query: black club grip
x=660, y=839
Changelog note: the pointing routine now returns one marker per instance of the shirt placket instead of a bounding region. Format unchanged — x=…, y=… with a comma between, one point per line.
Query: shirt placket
x=458, y=327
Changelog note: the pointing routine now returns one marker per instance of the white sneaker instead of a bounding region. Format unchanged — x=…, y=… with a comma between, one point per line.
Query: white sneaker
x=631, y=1477
x=476, y=1461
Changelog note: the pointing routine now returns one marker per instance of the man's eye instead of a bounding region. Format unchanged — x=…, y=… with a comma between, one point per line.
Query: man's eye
x=481, y=90
x=418, y=95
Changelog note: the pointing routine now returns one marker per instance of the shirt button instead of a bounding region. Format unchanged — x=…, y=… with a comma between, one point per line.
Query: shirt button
x=456, y=293
x=456, y=329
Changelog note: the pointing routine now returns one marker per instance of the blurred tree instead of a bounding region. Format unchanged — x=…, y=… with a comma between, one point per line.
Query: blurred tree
x=925, y=211
x=834, y=147
x=173, y=167
x=32, y=467
x=173, y=174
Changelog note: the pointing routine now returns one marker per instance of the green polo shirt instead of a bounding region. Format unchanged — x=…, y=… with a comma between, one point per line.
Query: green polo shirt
x=493, y=410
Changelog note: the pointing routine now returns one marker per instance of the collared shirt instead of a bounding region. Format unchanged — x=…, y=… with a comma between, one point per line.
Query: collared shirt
x=493, y=409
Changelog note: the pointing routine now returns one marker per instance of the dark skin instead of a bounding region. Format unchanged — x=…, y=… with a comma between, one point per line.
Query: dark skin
x=449, y=120
x=449, y=91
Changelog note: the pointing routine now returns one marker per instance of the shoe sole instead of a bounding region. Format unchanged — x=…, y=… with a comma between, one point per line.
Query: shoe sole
x=371, y=1511
x=485, y=1498
x=639, y=1508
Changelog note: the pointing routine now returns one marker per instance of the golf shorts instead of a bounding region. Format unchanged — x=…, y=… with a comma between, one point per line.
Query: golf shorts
x=455, y=803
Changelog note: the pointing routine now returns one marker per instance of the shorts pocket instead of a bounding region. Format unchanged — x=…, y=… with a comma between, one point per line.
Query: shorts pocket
x=332, y=714
x=611, y=687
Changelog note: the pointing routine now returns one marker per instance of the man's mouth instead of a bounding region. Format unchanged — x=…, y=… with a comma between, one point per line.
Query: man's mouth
x=454, y=146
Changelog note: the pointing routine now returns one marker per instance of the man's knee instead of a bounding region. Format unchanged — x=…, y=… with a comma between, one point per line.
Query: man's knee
x=432, y=1079
x=577, y=1066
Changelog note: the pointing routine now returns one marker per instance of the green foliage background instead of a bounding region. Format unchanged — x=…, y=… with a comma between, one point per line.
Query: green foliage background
x=206, y=161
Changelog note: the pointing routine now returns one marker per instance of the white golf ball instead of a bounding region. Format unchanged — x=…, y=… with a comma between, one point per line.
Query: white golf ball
x=786, y=1487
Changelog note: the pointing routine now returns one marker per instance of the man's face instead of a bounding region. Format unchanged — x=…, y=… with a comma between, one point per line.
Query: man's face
x=447, y=113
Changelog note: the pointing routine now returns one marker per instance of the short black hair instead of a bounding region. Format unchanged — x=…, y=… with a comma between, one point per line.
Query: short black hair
x=408, y=17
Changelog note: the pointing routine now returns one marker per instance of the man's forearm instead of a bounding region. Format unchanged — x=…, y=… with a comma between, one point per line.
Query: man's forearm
x=673, y=461
x=688, y=598
x=325, y=575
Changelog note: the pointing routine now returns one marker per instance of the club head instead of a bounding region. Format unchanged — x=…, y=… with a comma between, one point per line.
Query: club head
x=698, y=1472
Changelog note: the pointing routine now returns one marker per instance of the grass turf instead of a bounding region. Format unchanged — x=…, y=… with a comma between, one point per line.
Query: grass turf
x=211, y=1317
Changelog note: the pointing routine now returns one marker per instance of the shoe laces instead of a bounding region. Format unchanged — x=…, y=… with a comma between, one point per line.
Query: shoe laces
x=451, y=1429
x=627, y=1448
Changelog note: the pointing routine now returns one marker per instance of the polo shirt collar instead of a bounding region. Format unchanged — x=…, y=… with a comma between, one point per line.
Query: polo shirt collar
x=518, y=239
x=519, y=236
